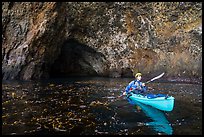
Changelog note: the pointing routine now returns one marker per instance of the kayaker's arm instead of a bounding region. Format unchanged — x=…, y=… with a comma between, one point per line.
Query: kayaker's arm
x=129, y=87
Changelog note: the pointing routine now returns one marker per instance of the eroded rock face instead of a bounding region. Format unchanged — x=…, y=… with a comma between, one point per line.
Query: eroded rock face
x=32, y=36
x=111, y=39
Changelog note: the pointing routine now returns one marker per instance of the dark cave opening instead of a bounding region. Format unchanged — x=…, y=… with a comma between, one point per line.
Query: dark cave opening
x=77, y=59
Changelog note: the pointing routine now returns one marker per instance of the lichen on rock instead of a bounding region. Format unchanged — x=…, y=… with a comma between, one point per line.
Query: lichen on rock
x=119, y=38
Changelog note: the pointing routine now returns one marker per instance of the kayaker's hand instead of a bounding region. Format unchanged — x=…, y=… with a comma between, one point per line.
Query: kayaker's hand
x=143, y=84
x=124, y=93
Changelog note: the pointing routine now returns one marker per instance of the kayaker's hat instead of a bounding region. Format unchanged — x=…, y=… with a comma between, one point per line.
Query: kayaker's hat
x=138, y=74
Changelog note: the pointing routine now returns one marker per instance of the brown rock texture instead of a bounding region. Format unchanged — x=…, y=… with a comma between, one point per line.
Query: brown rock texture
x=116, y=39
x=32, y=35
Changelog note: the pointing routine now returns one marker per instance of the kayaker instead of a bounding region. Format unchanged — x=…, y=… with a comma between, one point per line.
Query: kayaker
x=136, y=86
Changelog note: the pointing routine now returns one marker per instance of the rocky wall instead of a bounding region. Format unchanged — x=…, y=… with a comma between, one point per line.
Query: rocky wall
x=119, y=38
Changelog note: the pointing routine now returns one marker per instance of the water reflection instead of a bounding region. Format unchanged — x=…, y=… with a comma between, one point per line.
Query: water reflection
x=159, y=123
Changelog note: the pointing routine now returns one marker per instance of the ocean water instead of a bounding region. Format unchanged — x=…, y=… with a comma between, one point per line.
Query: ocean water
x=92, y=106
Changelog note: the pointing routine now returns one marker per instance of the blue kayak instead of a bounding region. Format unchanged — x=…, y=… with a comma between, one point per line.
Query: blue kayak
x=159, y=101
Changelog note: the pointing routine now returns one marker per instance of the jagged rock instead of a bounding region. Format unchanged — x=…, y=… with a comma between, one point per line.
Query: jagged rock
x=111, y=39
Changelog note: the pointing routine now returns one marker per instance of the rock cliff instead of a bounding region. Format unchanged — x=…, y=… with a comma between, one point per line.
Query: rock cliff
x=116, y=39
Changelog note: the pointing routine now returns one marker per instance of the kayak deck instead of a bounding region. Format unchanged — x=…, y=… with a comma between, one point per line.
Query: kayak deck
x=165, y=103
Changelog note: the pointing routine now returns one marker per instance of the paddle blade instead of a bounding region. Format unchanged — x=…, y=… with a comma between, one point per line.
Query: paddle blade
x=157, y=77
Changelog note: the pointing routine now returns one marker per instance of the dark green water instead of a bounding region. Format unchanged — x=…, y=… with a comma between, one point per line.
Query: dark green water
x=90, y=106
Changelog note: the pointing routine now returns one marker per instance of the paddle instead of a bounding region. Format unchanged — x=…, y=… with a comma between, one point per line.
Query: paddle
x=157, y=77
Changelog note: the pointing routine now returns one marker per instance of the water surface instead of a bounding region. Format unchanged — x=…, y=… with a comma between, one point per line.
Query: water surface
x=91, y=106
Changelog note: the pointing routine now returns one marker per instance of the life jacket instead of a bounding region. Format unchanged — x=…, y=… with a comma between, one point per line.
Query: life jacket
x=133, y=85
